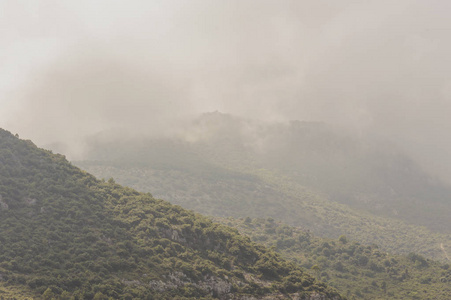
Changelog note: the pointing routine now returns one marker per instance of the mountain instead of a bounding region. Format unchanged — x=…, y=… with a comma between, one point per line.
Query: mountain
x=306, y=174
x=356, y=270
x=66, y=235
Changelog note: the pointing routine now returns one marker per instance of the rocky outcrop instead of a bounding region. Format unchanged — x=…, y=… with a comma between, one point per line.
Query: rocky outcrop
x=214, y=285
x=174, y=235
x=29, y=201
x=3, y=204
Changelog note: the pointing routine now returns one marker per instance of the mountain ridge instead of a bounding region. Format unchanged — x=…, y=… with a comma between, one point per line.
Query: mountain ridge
x=306, y=174
x=64, y=234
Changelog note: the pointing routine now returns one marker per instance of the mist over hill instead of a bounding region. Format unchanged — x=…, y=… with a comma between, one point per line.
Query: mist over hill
x=119, y=87
x=73, y=69
x=305, y=173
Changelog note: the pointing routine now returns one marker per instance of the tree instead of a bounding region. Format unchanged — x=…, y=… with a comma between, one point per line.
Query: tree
x=48, y=294
x=316, y=269
x=100, y=296
x=343, y=239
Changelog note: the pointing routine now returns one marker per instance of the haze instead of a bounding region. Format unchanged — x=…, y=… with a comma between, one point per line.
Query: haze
x=74, y=68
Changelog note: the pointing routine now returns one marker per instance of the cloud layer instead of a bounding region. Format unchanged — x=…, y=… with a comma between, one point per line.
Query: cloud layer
x=74, y=68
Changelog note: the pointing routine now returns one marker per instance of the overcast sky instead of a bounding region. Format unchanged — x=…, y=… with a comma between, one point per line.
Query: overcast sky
x=74, y=68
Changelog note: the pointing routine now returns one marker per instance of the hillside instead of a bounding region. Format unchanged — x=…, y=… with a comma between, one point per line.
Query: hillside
x=363, y=172
x=221, y=192
x=303, y=173
x=357, y=271
x=66, y=235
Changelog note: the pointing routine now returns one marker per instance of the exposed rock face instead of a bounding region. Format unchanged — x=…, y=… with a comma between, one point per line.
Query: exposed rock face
x=213, y=285
x=174, y=235
x=3, y=204
x=318, y=297
x=216, y=286
x=30, y=201
x=219, y=288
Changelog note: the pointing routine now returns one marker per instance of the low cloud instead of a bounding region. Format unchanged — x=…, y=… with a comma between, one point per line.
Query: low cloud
x=367, y=66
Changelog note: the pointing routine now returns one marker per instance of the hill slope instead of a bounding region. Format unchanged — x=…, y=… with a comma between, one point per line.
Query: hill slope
x=357, y=271
x=303, y=173
x=65, y=234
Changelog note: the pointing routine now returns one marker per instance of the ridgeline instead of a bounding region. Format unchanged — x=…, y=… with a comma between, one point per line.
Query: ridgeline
x=66, y=235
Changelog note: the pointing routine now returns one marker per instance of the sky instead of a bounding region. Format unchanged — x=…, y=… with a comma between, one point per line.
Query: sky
x=69, y=69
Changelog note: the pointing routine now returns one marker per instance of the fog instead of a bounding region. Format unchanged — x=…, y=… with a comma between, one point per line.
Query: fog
x=75, y=68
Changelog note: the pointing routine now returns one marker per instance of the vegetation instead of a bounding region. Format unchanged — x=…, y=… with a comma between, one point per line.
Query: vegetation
x=260, y=193
x=302, y=173
x=66, y=235
x=357, y=271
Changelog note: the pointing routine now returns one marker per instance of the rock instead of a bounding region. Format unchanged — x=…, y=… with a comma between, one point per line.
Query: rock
x=30, y=201
x=3, y=204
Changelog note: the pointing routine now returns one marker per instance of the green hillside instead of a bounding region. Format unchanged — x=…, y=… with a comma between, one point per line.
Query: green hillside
x=221, y=192
x=66, y=235
x=305, y=174
x=357, y=271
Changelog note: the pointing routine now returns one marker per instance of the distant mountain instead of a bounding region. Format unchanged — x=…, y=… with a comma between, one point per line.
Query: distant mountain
x=357, y=271
x=66, y=235
x=306, y=174
x=364, y=172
